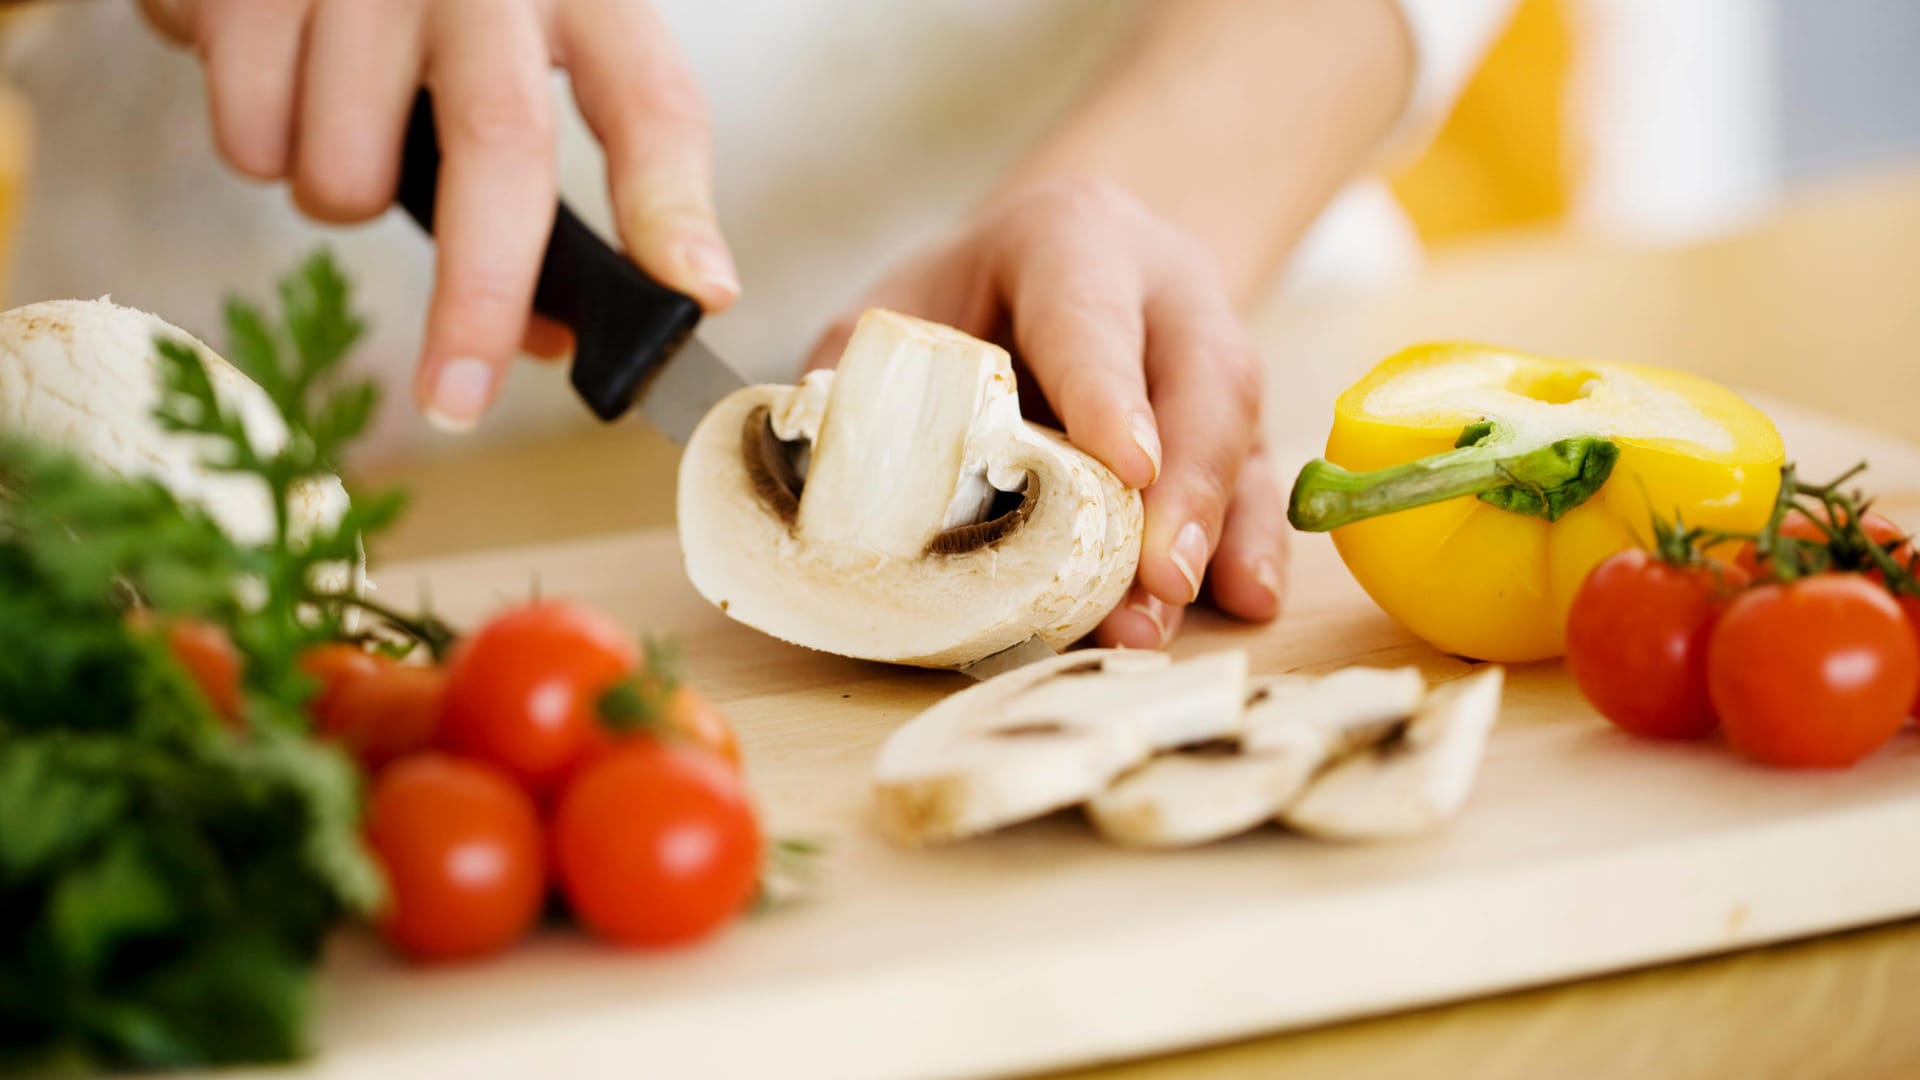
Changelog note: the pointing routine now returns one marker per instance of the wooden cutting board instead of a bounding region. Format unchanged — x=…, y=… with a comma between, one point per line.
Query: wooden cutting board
x=1582, y=851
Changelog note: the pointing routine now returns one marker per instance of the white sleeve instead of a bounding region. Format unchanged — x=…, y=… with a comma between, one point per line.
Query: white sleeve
x=1449, y=39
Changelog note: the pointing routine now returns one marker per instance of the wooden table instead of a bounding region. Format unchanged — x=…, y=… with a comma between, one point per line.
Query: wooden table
x=1819, y=304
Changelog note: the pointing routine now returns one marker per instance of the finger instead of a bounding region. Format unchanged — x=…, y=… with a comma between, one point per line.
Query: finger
x=362, y=66
x=1248, y=571
x=546, y=339
x=636, y=93
x=172, y=19
x=1142, y=621
x=251, y=52
x=1077, y=304
x=1205, y=379
x=494, y=208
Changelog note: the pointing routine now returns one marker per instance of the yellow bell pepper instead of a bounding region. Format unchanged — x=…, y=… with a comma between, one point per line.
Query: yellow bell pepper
x=1471, y=489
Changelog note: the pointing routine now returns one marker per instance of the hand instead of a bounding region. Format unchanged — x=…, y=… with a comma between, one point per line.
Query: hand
x=1123, y=324
x=318, y=91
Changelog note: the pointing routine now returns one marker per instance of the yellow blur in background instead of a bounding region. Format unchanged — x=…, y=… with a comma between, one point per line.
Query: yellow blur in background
x=1505, y=156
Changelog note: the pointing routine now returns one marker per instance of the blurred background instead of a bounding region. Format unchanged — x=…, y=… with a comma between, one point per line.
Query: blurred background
x=1629, y=122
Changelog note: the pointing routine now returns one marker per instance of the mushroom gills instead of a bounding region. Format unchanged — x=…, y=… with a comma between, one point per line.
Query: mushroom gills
x=1293, y=726
x=1414, y=781
x=1048, y=736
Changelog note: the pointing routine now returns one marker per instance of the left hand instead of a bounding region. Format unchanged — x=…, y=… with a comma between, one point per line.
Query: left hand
x=1123, y=323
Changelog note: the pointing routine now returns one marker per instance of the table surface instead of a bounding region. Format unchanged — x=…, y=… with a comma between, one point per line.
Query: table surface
x=1814, y=304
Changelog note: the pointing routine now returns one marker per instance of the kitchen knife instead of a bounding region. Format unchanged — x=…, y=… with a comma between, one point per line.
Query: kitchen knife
x=633, y=337
x=1013, y=656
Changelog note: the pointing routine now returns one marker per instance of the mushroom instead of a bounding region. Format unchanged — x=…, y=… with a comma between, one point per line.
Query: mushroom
x=1294, y=725
x=1046, y=736
x=82, y=376
x=900, y=509
x=1413, y=780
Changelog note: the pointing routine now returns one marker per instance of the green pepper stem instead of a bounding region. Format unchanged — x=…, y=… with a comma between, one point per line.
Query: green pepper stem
x=1540, y=481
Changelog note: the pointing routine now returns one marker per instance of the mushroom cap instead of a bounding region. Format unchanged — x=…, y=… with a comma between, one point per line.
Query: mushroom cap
x=1067, y=565
x=82, y=376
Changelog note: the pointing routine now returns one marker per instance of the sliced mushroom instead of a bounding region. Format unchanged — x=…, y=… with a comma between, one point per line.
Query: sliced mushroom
x=1047, y=736
x=1294, y=725
x=900, y=509
x=83, y=376
x=1415, y=779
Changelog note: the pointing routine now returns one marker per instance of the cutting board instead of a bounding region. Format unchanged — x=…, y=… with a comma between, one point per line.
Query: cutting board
x=1582, y=851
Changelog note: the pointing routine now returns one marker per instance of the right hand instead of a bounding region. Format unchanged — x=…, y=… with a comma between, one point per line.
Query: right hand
x=317, y=92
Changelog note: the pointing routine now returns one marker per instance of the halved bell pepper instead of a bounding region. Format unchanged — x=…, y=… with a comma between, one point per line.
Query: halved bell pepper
x=1470, y=489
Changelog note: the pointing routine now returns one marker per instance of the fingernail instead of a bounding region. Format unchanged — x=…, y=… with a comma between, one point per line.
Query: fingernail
x=1189, y=552
x=460, y=394
x=706, y=261
x=1267, y=575
x=1154, y=612
x=1146, y=436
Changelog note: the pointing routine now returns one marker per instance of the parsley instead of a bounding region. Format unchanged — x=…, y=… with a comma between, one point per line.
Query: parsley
x=166, y=883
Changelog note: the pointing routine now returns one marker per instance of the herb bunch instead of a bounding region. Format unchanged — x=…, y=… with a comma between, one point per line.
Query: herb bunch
x=167, y=877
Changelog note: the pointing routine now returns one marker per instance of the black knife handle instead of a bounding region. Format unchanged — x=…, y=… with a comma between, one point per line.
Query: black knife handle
x=625, y=324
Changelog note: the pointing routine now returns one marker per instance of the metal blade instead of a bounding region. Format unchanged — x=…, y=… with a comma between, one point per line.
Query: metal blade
x=1013, y=656
x=692, y=381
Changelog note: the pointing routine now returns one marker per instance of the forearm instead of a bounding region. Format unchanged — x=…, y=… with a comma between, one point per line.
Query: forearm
x=1237, y=120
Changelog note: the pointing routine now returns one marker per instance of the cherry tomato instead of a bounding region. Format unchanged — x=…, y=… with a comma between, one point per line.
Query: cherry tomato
x=387, y=713
x=686, y=718
x=461, y=846
x=523, y=692
x=1799, y=526
x=1818, y=672
x=1637, y=641
x=695, y=721
x=1911, y=605
x=208, y=654
x=333, y=665
x=656, y=844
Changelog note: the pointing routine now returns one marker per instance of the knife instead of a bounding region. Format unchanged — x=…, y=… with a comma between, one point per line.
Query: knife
x=633, y=337
x=1013, y=656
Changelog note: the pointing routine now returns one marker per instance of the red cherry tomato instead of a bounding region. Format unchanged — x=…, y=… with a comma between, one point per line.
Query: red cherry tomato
x=656, y=844
x=461, y=846
x=1814, y=673
x=333, y=665
x=686, y=718
x=1637, y=641
x=695, y=721
x=523, y=691
x=387, y=713
x=208, y=654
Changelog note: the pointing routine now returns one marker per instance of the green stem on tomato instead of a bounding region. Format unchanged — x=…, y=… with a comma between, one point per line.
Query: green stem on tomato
x=1538, y=481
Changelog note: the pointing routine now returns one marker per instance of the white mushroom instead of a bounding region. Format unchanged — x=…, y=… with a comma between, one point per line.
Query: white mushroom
x=83, y=376
x=1415, y=779
x=1294, y=726
x=1047, y=736
x=900, y=509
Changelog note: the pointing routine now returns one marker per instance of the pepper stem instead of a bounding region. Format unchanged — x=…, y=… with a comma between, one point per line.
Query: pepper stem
x=1538, y=481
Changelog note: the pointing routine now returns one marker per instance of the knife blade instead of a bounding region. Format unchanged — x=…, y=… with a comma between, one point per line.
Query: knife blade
x=1013, y=656
x=633, y=337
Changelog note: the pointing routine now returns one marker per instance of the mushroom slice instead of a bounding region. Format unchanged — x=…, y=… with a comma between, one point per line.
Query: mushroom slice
x=1294, y=725
x=899, y=508
x=1413, y=780
x=1047, y=736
